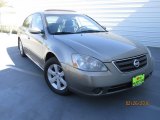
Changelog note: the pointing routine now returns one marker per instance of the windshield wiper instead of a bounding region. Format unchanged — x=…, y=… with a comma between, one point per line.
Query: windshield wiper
x=59, y=33
x=90, y=31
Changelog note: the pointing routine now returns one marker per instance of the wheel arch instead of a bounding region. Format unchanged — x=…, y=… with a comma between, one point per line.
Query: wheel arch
x=50, y=55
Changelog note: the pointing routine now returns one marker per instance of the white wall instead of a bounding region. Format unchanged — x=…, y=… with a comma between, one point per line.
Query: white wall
x=135, y=19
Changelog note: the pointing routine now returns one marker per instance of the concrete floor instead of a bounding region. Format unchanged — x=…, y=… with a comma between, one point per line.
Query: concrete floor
x=24, y=94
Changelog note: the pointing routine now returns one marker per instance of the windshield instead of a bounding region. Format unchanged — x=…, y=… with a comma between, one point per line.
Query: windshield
x=71, y=24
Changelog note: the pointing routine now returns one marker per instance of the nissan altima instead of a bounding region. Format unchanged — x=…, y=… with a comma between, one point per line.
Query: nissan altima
x=77, y=54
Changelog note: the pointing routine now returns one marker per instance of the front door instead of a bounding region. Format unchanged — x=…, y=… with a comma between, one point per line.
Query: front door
x=37, y=40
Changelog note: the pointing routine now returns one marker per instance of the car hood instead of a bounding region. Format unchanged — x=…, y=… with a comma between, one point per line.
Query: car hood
x=105, y=46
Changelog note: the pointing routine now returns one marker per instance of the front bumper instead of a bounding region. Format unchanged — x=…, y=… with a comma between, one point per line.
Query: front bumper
x=101, y=83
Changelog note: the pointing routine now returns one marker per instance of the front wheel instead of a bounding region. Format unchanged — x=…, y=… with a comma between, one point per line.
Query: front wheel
x=55, y=78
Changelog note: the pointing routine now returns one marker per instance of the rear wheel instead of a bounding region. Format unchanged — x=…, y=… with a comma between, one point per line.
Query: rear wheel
x=20, y=46
x=55, y=78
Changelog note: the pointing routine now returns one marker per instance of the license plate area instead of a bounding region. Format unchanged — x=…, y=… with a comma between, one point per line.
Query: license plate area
x=138, y=80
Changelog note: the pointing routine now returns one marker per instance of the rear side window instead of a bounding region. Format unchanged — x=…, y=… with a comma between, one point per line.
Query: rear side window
x=27, y=22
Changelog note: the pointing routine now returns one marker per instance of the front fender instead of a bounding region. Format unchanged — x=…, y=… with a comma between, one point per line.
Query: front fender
x=62, y=51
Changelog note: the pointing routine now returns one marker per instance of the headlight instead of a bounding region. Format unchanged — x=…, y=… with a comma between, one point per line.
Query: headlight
x=88, y=63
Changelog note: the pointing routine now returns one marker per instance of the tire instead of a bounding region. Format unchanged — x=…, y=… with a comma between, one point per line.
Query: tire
x=20, y=46
x=55, y=77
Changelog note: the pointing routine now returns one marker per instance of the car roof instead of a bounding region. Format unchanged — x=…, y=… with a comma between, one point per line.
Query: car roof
x=57, y=11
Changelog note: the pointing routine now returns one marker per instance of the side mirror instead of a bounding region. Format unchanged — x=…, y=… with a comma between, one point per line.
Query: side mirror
x=35, y=30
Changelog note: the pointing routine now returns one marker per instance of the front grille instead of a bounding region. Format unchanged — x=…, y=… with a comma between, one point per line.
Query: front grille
x=127, y=65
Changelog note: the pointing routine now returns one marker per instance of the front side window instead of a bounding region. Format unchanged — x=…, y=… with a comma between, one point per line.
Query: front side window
x=37, y=22
x=71, y=24
x=27, y=22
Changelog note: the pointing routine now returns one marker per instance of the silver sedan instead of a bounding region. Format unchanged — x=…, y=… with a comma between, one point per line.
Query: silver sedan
x=78, y=54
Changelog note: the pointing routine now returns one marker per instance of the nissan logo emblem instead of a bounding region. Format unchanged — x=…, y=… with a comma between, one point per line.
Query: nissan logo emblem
x=136, y=63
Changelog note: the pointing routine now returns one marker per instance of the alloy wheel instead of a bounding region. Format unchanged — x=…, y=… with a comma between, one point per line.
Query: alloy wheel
x=56, y=77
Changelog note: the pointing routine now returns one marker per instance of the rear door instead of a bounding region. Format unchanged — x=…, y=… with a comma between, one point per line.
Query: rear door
x=24, y=33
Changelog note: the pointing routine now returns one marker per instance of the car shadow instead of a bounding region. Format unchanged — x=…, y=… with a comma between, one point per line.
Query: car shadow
x=21, y=62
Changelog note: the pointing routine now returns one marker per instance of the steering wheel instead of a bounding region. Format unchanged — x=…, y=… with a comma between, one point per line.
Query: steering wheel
x=81, y=28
